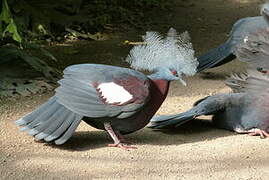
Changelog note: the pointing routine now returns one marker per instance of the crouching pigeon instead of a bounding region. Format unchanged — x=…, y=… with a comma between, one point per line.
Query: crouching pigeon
x=246, y=109
x=115, y=99
x=226, y=52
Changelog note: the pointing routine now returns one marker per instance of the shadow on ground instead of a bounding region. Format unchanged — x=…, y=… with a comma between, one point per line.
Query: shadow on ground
x=191, y=132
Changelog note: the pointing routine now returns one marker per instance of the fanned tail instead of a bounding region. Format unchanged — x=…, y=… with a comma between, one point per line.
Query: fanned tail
x=50, y=122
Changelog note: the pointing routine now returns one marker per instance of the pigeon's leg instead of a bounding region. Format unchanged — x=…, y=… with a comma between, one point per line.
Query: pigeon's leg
x=123, y=139
x=117, y=138
x=259, y=132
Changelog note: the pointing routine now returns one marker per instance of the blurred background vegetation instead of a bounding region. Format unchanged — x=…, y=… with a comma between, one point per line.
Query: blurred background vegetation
x=28, y=28
x=39, y=38
x=43, y=18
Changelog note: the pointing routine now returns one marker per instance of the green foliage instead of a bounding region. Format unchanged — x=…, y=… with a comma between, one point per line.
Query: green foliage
x=7, y=23
x=10, y=51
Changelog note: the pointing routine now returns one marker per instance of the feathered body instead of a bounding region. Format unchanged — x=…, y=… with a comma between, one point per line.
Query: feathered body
x=246, y=109
x=115, y=99
x=137, y=115
x=240, y=30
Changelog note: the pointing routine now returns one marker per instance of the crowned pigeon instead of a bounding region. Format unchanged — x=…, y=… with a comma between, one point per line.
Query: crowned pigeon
x=244, y=110
x=115, y=99
x=226, y=52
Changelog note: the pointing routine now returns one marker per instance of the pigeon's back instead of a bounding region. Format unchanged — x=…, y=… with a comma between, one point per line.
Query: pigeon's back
x=243, y=27
x=100, y=72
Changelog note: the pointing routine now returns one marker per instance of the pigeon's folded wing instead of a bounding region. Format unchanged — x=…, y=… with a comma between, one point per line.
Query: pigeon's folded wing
x=93, y=95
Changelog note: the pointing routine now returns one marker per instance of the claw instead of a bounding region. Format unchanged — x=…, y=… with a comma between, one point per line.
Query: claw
x=122, y=146
x=255, y=131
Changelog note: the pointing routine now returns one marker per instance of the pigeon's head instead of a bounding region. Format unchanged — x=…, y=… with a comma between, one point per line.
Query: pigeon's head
x=262, y=70
x=265, y=11
x=169, y=58
x=168, y=74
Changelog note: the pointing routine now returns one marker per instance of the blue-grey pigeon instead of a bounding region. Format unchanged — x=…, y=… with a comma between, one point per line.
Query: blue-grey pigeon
x=244, y=110
x=241, y=29
x=115, y=99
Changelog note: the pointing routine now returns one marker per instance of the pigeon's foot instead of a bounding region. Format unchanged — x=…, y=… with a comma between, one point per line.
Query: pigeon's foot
x=258, y=132
x=122, y=146
x=119, y=140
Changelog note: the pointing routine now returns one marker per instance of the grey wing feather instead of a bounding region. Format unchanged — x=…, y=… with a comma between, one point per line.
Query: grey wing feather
x=224, y=53
x=255, y=49
x=257, y=83
x=44, y=124
x=74, y=88
x=69, y=131
x=39, y=118
x=61, y=129
x=50, y=121
x=53, y=126
x=76, y=97
x=244, y=27
x=84, y=72
x=78, y=94
x=28, y=118
x=83, y=99
x=256, y=113
x=221, y=54
x=237, y=82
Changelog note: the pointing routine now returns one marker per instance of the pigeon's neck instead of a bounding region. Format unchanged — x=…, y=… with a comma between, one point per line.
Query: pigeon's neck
x=162, y=86
x=161, y=81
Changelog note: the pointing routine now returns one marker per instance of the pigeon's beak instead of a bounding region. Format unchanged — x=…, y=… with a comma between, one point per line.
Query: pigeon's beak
x=179, y=77
x=182, y=81
x=264, y=71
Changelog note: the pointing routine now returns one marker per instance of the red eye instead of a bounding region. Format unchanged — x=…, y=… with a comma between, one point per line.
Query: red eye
x=174, y=72
x=262, y=70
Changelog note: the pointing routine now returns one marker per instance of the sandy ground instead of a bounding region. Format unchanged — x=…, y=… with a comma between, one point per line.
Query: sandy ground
x=193, y=151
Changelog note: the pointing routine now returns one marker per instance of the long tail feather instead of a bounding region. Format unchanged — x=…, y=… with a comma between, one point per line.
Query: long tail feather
x=206, y=106
x=162, y=122
x=215, y=57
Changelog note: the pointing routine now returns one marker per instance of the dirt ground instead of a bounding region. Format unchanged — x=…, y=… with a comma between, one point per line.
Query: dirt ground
x=194, y=151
